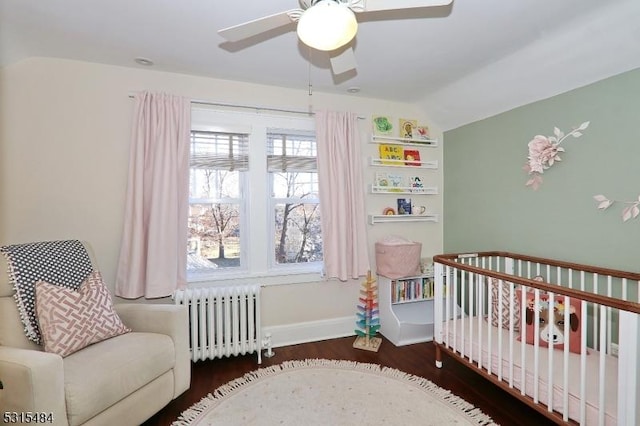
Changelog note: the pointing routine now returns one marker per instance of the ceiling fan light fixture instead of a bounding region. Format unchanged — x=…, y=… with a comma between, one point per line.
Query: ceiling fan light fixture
x=327, y=25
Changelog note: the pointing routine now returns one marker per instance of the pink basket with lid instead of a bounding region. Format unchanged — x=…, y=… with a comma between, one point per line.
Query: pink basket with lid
x=397, y=257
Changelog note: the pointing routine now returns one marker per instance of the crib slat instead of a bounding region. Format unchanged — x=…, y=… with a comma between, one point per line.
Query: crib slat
x=447, y=297
x=479, y=309
x=536, y=345
x=463, y=299
x=551, y=300
x=523, y=340
x=602, y=372
x=565, y=360
x=511, y=332
x=583, y=364
x=628, y=358
x=455, y=317
x=439, y=274
x=471, y=306
x=490, y=334
x=596, y=334
x=609, y=315
x=565, y=363
x=500, y=316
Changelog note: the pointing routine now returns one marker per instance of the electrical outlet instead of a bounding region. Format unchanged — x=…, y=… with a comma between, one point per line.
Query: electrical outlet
x=614, y=349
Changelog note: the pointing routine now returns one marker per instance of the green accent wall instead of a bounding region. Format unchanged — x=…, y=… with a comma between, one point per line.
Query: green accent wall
x=488, y=207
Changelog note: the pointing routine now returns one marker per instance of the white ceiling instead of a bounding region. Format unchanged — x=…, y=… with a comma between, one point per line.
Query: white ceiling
x=461, y=63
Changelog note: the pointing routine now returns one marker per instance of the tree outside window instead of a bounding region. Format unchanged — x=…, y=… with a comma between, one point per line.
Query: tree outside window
x=217, y=162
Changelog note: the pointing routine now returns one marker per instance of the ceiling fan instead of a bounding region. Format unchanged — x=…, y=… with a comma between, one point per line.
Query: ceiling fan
x=325, y=25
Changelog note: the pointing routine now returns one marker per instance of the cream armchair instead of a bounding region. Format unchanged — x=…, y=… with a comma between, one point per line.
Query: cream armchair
x=123, y=380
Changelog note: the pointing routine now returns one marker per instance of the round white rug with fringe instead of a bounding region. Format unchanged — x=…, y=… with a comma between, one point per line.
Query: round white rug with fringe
x=330, y=392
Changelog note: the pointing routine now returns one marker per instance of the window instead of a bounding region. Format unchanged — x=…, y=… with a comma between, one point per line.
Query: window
x=253, y=205
x=217, y=165
x=293, y=176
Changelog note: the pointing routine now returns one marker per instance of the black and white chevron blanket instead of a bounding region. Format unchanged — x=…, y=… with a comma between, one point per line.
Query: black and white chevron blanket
x=63, y=263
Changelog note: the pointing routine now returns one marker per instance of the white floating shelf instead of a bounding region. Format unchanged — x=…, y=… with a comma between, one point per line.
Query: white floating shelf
x=426, y=190
x=381, y=218
x=429, y=164
x=432, y=143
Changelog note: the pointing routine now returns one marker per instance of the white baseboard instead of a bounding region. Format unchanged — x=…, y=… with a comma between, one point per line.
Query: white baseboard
x=312, y=331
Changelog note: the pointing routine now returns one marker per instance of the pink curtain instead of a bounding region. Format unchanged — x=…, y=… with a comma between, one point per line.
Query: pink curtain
x=342, y=208
x=153, y=253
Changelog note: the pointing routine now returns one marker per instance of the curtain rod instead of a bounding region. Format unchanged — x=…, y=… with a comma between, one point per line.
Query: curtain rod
x=257, y=108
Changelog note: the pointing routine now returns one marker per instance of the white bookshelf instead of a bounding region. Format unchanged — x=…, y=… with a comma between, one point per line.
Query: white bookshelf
x=409, y=319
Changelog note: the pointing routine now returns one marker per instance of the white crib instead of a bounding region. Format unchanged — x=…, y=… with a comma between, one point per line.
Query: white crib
x=590, y=377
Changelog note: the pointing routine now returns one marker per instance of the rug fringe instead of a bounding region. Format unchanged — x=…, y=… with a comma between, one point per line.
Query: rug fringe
x=472, y=413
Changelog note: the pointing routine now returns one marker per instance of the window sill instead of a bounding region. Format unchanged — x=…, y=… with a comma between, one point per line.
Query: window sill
x=266, y=278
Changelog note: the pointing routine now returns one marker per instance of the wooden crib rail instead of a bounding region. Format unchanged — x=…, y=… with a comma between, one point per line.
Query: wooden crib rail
x=451, y=257
x=630, y=306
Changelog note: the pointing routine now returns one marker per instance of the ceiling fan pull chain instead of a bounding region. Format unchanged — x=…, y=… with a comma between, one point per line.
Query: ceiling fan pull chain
x=310, y=86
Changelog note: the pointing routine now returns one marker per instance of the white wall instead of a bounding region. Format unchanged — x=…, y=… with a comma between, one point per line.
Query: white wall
x=64, y=139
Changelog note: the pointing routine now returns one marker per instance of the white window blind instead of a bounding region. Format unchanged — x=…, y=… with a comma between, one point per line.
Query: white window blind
x=219, y=151
x=291, y=151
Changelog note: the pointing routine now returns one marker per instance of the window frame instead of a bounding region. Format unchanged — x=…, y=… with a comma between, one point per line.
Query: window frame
x=273, y=201
x=242, y=202
x=257, y=230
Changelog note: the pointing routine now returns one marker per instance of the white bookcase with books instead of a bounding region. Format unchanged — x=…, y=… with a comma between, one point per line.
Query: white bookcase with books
x=406, y=309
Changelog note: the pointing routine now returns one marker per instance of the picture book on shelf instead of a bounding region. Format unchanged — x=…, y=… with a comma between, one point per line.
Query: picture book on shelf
x=394, y=182
x=391, y=152
x=404, y=206
x=412, y=157
x=415, y=183
x=382, y=125
x=382, y=179
x=407, y=127
x=421, y=132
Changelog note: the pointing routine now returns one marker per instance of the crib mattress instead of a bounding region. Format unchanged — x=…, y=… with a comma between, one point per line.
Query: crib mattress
x=454, y=336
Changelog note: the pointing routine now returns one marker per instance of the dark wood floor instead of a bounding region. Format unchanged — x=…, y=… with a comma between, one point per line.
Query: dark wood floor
x=418, y=359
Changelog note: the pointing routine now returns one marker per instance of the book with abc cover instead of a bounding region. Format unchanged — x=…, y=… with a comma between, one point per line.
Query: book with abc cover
x=391, y=152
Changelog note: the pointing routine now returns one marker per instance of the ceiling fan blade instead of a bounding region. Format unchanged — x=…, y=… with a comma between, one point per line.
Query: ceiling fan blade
x=374, y=5
x=343, y=62
x=257, y=26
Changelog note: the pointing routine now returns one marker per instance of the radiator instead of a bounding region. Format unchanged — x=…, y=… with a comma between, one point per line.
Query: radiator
x=223, y=321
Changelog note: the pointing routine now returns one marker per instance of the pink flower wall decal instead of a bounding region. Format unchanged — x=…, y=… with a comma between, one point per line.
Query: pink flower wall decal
x=631, y=211
x=545, y=151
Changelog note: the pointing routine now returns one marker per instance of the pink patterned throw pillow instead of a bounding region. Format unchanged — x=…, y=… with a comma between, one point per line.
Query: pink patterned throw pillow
x=71, y=320
x=499, y=319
